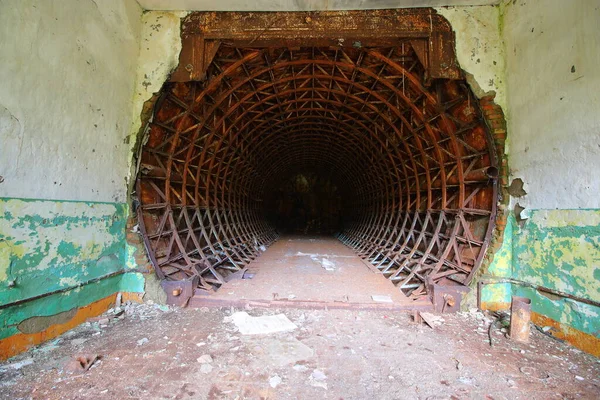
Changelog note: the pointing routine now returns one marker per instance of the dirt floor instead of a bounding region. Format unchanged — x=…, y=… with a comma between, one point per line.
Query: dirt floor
x=157, y=352
x=319, y=271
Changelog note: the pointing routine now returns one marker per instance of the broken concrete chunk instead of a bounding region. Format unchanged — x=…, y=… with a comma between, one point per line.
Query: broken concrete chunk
x=274, y=381
x=300, y=368
x=205, y=359
x=206, y=368
x=248, y=325
x=317, y=379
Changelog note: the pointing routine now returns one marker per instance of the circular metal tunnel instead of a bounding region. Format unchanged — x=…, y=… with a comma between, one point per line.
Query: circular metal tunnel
x=409, y=168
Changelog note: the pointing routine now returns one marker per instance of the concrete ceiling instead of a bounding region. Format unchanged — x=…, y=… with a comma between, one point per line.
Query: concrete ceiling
x=300, y=5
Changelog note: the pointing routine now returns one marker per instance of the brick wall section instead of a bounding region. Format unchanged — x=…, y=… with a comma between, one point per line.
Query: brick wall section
x=496, y=122
x=135, y=239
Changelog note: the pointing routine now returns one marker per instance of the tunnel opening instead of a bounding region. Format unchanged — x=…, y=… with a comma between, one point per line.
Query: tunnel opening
x=357, y=140
x=307, y=202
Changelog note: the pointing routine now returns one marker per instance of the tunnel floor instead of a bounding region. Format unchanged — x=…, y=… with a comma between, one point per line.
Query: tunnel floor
x=311, y=272
x=332, y=354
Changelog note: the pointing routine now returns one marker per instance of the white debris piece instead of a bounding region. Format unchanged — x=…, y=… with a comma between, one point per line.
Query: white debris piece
x=381, y=298
x=328, y=265
x=206, y=368
x=317, y=379
x=248, y=325
x=142, y=341
x=274, y=381
x=18, y=365
x=204, y=359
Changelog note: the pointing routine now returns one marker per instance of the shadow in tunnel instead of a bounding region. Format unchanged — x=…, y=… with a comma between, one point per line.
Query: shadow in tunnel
x=306, y=203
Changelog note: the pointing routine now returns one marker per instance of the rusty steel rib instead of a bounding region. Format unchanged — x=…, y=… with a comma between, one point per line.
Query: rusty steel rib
x=412, y=159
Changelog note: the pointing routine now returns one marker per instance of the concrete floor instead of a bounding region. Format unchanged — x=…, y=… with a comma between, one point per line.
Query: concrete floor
x=316, y=272
x=151, y=353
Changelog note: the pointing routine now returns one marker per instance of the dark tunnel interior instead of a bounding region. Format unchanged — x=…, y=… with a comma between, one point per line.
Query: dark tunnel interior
x=345, y=141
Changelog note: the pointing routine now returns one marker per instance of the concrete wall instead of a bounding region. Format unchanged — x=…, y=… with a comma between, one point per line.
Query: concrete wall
x=552, y=69
x=68, y=69
x=159, y=56
x=479, y=48
x=552, y=75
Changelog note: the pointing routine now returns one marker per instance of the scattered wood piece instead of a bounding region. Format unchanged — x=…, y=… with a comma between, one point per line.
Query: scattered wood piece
x=82, y=363
x=431, y=319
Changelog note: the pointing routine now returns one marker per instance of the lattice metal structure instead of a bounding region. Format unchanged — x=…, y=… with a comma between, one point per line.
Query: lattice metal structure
x=411, y=156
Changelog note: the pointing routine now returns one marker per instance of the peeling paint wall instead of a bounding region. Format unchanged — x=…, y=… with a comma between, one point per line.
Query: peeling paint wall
x=560, y=249
x=552, y=76
x=68, y=69
x=479, y=48
x=554, y=148
x=160, y=45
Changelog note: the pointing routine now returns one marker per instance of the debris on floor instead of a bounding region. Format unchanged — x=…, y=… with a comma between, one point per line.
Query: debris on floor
x=351, y=354
x=327, y=265
x=248, y=325
x=82, y=363
x=431, y=319
x=317, y=379
x=381, y=299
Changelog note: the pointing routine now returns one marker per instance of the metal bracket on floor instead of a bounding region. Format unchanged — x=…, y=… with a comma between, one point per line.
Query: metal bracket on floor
x=180, y=292
x=447, y=298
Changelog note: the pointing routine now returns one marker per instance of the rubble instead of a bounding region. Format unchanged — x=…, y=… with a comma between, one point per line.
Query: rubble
x=248, y=325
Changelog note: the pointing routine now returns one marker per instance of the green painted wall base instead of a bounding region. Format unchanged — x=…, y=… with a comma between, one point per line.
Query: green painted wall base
x=557, y=249
x=56, y=256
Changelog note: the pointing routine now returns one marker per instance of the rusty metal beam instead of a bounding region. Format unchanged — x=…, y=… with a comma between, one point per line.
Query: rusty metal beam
x=202, y=33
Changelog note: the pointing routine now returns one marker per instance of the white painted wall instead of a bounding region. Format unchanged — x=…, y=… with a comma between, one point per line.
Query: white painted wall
x=479, y=48
x=67, y=72
x=159, y=56
x=553, y=81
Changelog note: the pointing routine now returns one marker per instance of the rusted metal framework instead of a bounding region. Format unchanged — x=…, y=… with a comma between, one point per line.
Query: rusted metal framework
x=407, y=148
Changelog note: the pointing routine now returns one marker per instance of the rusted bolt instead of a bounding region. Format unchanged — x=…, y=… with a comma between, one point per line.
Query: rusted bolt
x=308, y=20
x=189, y=68
x=176, y=292
x=449, y=301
